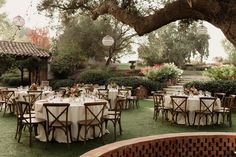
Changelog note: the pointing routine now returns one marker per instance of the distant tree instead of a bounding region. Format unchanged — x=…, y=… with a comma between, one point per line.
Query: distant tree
x=174, y=43
x=5, y=25
x=81, y=42
x=231, y=50
x=39, y=37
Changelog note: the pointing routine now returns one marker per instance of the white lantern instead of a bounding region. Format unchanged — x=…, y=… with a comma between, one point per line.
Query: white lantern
x=19, y=21
x=108, y=40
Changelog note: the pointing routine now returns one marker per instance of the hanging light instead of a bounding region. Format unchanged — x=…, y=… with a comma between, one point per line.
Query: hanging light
x=18, y=21
x=108, y=40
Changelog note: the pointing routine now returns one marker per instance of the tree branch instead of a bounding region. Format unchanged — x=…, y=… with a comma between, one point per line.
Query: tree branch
x=142, y=25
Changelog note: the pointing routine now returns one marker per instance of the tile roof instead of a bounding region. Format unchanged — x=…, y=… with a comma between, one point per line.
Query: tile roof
x=21, y=49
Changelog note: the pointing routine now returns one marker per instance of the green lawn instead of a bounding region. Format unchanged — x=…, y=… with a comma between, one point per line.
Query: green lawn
x=136, y=123
x=123, y=66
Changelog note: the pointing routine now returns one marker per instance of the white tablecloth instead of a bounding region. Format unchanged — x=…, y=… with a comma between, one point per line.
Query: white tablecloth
x=76, y=113
x=193, y=104
x=20, y=93
x=112, y=95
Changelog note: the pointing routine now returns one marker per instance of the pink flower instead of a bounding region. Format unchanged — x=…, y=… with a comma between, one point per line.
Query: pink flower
x=156, y=66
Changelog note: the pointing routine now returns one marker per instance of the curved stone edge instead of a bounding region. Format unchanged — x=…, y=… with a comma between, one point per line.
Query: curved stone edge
x=126, y=143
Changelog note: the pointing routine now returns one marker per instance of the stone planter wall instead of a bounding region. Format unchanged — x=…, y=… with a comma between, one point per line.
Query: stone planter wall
x=199, y=144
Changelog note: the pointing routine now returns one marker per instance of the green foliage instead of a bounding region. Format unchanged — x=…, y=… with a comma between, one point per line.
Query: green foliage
x=12, y=78
x=30, y=63
x=64, y=65
x=80, y=41
x=162, y=73
x=136, y=81
x=225, y=86
x=174, y=43
x=56, y=84
x=94, y=77
x=225, y=72
x=6, y=63
x=231, y=50
x=82, y=38
x=199, y=85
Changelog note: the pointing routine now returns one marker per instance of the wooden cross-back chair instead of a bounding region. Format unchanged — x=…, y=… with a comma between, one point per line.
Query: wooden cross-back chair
x=115, y=116
x=93, y=118
x=33, y=96
x=37, y=93
x=24, y=119
x=124, y=94
x=179, y=106
x=57, y=118
x=226, y=110
x=103, y=94
x=219, y=95
x=207, y=105
x=2, y=101
x=158, y=101
x=7, y=95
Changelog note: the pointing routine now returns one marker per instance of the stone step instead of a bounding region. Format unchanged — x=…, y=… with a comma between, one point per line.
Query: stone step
x=172, y=89
x=180, y=83
x=175, y=86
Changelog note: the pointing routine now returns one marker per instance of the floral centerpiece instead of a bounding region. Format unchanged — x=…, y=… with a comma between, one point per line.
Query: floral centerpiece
x=34, y=86
x=73, y=91
x=191, y=90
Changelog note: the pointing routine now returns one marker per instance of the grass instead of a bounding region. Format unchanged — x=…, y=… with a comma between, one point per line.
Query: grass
x=123, y=66
x=126, y=66
x=136, y=123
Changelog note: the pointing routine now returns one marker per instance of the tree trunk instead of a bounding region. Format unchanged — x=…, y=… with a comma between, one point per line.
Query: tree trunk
x=201, y=59
x=21, y=74
x=110, y=55
x=29, y=77
x=220, y=13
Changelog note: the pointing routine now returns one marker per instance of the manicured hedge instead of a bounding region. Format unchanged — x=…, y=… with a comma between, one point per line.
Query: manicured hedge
x=56, y=84
x=13, y=79
x=136, y=81
x=226, y=86
x=94, y=77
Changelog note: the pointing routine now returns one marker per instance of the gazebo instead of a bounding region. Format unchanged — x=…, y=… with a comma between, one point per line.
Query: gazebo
x=37, y=59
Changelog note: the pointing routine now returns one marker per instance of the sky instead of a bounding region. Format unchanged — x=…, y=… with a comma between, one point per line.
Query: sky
x=34, y=19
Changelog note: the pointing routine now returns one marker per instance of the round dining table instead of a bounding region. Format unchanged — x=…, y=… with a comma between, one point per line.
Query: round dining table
x=193, y=104
x=76, y=113
x=19, y=93
x=112, y=95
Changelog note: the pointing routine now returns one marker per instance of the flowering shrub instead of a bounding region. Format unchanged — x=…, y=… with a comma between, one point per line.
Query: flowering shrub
x=225, y=72
x=162, y=72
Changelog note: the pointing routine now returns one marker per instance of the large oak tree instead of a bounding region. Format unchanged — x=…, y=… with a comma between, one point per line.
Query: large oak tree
x=220, y=13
